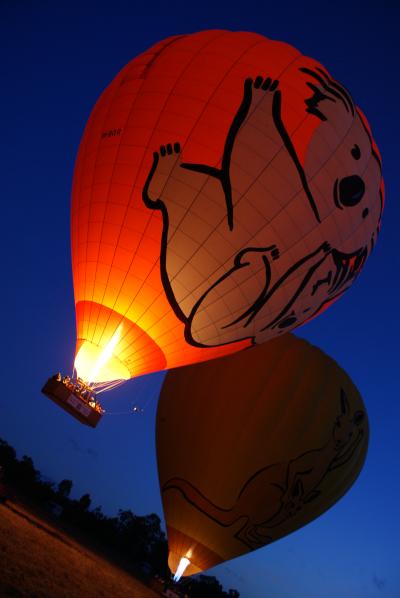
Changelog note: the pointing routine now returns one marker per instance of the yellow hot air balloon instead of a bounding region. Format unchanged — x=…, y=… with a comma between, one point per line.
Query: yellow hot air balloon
x=254, y=446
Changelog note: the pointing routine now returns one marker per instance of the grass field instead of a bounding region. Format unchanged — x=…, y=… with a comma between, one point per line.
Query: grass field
x=38, y=560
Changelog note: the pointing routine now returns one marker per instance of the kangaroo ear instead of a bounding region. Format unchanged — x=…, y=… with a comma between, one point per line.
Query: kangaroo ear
x=344, y=402
x=312, y=496
x=298, y=489
x=358, y=417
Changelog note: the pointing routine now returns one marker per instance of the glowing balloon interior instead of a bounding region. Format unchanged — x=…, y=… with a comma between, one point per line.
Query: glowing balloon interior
x=99, y=365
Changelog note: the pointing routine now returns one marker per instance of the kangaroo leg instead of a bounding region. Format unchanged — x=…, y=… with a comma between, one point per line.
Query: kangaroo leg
x=248, y=534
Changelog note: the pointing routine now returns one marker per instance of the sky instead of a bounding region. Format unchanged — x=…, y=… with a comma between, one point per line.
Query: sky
x=57, y=57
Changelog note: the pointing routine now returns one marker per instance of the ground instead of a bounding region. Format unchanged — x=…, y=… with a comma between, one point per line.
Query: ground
x=38, y=560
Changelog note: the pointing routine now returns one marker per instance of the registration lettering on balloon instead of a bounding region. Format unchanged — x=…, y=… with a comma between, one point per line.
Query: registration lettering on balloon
x=254, y=289
x=284, y=488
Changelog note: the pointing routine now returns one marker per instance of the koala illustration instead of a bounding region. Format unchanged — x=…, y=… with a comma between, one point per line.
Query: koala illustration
x=278, y=492
x=225, y=255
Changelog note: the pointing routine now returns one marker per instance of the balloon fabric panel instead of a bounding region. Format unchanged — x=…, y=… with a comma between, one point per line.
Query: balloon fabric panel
x=250, y=449
x=226, y=190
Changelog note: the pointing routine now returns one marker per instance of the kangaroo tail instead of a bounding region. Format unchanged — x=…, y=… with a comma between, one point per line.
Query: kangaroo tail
x=199, y=501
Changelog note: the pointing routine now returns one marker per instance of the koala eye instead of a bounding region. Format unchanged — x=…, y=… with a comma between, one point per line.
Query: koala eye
x=356, y=152
x=351, y=190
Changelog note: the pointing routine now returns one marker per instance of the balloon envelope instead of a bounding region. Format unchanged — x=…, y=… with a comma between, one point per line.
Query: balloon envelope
x=226, y=190
x=253, y=446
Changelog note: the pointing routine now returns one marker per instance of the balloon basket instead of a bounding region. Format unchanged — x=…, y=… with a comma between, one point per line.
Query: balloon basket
x=75, y=398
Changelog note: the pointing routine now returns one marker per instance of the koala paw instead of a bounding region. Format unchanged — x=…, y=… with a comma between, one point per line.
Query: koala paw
x=266, y=84
x=275, y=253
x=169, y=149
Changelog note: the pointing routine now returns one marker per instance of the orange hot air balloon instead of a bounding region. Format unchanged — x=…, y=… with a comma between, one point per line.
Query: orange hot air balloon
x=226, y=190
x=252, y=447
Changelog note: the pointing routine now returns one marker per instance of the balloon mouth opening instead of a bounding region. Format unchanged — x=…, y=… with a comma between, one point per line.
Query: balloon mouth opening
x=97, y=364
x=183, y=563
x=188, y=555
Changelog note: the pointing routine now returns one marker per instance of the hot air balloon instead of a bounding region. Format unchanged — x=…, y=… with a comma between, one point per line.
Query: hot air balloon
x=253, y=446
x=226, y=190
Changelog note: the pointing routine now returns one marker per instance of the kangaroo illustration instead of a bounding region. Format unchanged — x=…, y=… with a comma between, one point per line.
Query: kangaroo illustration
x=224, y=268
x=279, y=491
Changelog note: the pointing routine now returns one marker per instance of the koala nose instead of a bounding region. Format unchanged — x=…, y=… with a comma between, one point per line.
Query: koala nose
x=351, y=190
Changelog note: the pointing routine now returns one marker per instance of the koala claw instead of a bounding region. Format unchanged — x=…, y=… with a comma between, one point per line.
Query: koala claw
x=326, y=247
x=275, y=253
x=265, y=84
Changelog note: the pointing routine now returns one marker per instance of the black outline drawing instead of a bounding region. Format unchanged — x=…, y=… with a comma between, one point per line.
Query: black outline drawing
x=352, y=189
x=290, y=480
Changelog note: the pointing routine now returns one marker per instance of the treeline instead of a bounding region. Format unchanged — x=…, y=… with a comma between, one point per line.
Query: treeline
x=138, y=540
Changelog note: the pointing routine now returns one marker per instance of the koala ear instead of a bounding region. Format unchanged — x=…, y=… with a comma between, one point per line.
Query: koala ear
x=358, y=417
x=314, y=101
x=344, y=402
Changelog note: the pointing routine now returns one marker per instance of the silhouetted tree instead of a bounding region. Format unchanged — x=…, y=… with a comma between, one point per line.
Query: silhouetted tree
x=137, y=538
x=43, y=491
x=207, y=586
x=159, y=557
x=8, y=455
x=64, y=488
x=84, y=502
x=132, y=535
x=27, y=474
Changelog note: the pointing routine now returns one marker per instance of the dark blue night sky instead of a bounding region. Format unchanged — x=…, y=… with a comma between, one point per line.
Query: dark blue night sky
x=57, y=57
